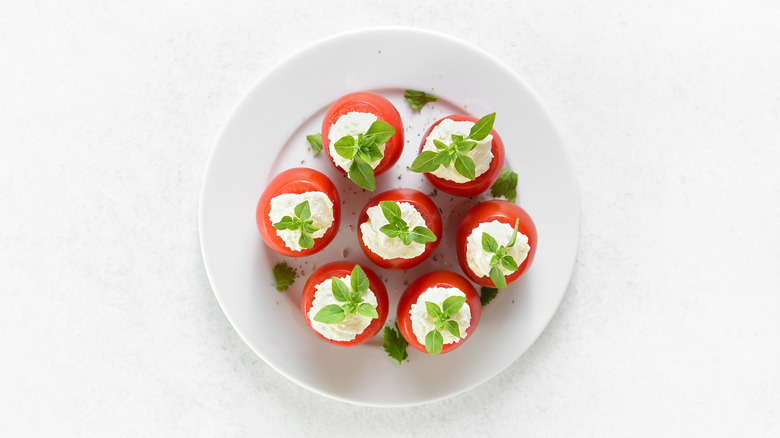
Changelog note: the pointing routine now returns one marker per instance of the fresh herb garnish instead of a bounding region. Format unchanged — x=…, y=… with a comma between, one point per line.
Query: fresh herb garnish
x=351, y=296
x=284, y=276
x=397, y=227
x=315, y=140
x=395, y=344
x=505, y=185
x=501, y=257
x=434, y=341
x=486, y=295
x=364, y=150
x=418, y=99
x=455, y=153
x=300, y=221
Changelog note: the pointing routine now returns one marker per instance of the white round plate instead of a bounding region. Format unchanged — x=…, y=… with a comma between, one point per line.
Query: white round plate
x=267, y=134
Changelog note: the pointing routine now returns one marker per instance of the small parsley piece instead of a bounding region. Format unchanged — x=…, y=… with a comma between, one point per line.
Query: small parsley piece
x=300, y=221
x=455, y=153
x=351, y=296
x=395, y=344
x=418, y=99
x=284, y=276
x=397, y=227
x=315, y=140
x=486, y=295
x=364, y=150
x=501, y=257
x=505, y=185
x=434, y=341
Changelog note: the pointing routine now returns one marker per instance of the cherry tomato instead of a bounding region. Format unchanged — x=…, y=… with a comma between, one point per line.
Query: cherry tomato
x=422, y=284
x=482, y=182
x=377, y=105
x=296, y=180
x=427, y=209
x=502, y=211
x=341, y=270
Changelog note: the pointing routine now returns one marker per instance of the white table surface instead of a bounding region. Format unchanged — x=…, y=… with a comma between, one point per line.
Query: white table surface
x=670, y=325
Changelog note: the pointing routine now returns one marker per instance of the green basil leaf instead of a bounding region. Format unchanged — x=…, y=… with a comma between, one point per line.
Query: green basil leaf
x=509, y=263
x=309, y=228
x=381, y=131
x=466, y=146
x=315, y=140
x=369, y=154
x=283, y=223
x=434, y=342
x=424, y=162
x=421, y=234
x=391, y=210
x=465, y=166
x=340, y=290
x=439, y=145
x=349, y=308
x=514, y=234
x=482, y=128
x=405, y=237
x=489, y=244
x=495, y=260
x=389, y=230
x=498, y=277
x=433, y=309
x=395, y=344
x=284, y=276
x=456, y=138
x=367, y=310
x=418, y=99
x=359, y=280
x=346, y=146
x=486, y=295
x=442, y=159
x=505, y=185
x=302, y=211
x=330, y=314
x=453, y=328
x=452, y=305
x=306, y=241
x=362, y=174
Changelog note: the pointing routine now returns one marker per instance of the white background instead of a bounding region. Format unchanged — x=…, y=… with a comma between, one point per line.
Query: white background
x=670, y=325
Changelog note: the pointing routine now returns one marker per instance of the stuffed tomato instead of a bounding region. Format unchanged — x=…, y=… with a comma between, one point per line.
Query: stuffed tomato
x=363, y=136
x=344, y=303
x=496, y=243
x=299, y=212
x=400, y=228
x=438, y=312
x=461, y=155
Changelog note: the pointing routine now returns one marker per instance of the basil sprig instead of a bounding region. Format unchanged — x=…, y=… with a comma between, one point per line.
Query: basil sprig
x=397, y=227
x=455, y=153
x=434, y=341
x=501, y=257
x=300, y=221
x=351, y=296
x=364, y=150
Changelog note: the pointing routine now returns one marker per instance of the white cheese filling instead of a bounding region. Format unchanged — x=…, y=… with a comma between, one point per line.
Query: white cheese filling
x=423, y=323
x=353, y=324
x=353, y=123
x=481, y=153
x=479, y=260
x=391, y=247
x=321, y=213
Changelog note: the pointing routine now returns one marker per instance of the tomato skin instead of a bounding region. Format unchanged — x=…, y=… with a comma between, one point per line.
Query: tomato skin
x=428, y=211
x=427, y=281
x=502, y=211
x=296, y=180
x=482, y=182
x=377, y=105
x=341, y=269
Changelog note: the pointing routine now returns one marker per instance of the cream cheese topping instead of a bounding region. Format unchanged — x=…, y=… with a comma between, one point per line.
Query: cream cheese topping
x=422, y=322
x=479, y=260
x=481, y=153
x=353, y=324
x=321, y=213
x=353, y=123
x=391, y=247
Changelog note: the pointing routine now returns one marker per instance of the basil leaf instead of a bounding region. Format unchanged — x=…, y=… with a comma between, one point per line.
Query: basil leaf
x=439, y=145
x=306, y=241
x=456, y=138
x=452, y=305
x=302, y=211
x=284, y=276
x=486, y=295
x=367, y=310
x=346, y=146
x=482, y=128
x=359, y=280
x=391, y=210
x=309, y=228
x=466, y=146
x=389, y=230
x=418, y=99
x=453, y=328
x=509, y=263
x=434, y=342
x=395, y=344
x=514, y=234
x=348, y=308
x=381, y=131
x=498, y=277
x=465, y=166
x=362, y=174
x=489, y=244
x=283, y=223
x=495, y=260
x=433, y=309
x=340, y=290
x=330, y=314
x=424, y=162
x=315, y=140
x=370, y=154
x=422, y=234
x=505, y=185
x=405, y=237
x=442, y=159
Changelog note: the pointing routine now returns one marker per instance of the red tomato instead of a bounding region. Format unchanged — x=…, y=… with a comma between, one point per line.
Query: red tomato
x=296, y=180
x=377, y=105
x=502, y=211
x=482, y=182
x=428, y=210
x=341, y=270
x=427, y=281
